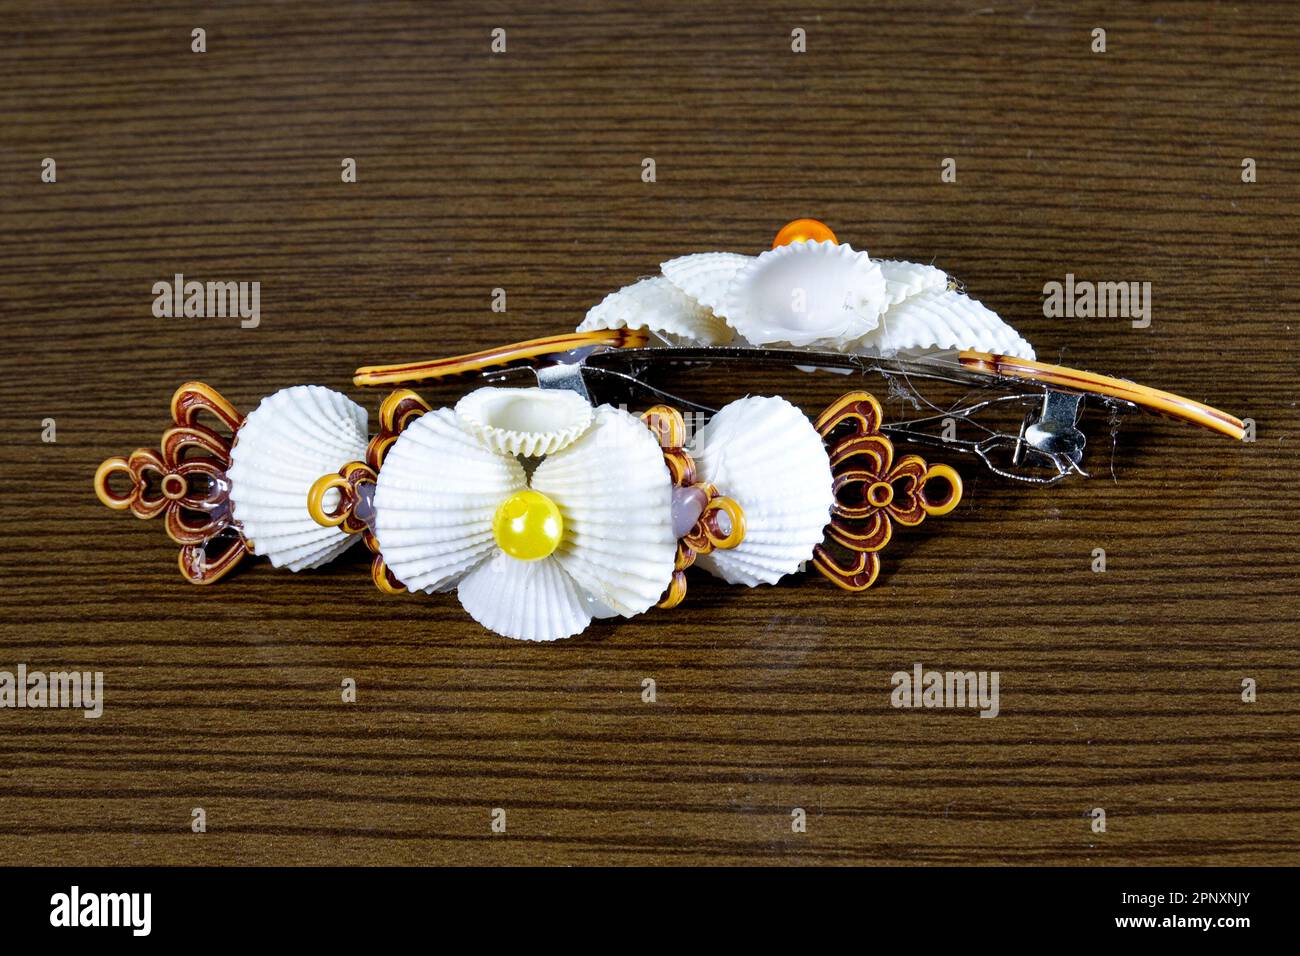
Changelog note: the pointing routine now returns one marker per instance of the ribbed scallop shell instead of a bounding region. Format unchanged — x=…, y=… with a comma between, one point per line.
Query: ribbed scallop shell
x=526, y=600
x=815, y=294
x=658, y=305
x=706, y=276
x=944, y=320
x=764, y=453
x=292, y=438
x=524, y=421
x=906, y=279
x=614, y=492
x=435, y=498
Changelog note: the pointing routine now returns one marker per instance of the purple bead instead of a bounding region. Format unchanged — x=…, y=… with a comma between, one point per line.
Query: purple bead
x=688, y=505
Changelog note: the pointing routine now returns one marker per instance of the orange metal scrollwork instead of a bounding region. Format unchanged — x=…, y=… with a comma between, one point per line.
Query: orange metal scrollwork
x=401, y=407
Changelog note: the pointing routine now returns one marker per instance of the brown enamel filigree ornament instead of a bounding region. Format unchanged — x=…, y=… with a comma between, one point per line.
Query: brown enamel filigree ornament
x=354, y=484
x=185, y=482
x=720, y=523
x=873, y=491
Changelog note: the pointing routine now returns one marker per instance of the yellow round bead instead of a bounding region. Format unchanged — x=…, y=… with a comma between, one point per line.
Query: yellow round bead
x=528, y=525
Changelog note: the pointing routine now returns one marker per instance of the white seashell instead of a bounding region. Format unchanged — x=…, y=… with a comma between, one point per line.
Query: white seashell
x=764, y=453
x=906, y=279
x=943, y=320
x=615, y=494
x=816, y=294
x=658, y=305
x=524, y=421
x=706, y=276
x=526, y=600
x=435, y=498
x=292, y=438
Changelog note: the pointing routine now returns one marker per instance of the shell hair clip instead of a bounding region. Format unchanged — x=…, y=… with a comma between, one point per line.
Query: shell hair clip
x=567, y=486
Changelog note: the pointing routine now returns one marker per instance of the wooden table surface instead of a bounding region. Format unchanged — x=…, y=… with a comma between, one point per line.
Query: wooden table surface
x=1120, y=690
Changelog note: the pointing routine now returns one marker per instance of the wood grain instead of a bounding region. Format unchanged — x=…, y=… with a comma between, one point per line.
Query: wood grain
x=522, y=171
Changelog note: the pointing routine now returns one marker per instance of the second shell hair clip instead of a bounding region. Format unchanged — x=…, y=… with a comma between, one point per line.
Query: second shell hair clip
x=579, y=492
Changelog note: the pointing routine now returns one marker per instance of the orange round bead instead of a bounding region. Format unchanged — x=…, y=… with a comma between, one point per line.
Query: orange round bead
x=803, y=230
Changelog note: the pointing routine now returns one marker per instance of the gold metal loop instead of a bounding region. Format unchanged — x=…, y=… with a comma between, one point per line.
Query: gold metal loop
x=316, y=500
x=735, y=518
x=953, y=498
x=107, y=469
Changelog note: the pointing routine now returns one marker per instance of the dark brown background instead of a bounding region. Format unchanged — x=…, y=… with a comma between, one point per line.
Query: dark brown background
x=1119, y=690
